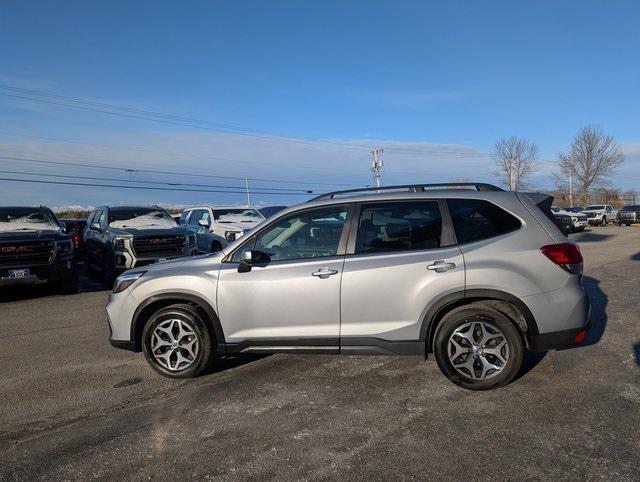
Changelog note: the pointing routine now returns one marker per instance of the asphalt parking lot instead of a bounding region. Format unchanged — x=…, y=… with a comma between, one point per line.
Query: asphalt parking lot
x=75, y=408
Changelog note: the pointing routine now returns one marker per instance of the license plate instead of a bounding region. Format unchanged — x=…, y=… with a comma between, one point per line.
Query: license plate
x=18, y=273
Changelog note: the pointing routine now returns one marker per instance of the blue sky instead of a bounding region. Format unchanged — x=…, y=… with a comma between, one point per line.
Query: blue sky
x=434, y=83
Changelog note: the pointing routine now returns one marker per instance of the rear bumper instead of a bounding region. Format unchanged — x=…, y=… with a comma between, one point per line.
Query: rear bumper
x=560, y=315
x=558, y=339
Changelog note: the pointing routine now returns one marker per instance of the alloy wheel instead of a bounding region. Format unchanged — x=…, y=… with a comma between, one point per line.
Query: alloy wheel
x=478, y=350
x=174, y=344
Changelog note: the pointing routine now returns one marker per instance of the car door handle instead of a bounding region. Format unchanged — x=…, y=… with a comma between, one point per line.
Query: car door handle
x=441, y=266
x=324, y=273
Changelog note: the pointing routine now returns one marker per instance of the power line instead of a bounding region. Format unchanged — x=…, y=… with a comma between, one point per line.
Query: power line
x=164, y=153
x=146, y=188
x=140, y=114
x=142, y=181
x=173, y=173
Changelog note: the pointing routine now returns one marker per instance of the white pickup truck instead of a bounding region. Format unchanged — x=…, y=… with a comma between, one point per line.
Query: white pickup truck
x=578, y=220
x=217, y=226
x=600, y=214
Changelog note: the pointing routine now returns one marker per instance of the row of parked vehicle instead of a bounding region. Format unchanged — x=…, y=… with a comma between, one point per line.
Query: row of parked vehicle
x=36, y=247
x=572, y=220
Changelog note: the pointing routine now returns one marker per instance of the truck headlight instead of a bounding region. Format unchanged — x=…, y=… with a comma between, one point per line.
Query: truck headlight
x=119, y=243
x=231, y=236
x=126, y=279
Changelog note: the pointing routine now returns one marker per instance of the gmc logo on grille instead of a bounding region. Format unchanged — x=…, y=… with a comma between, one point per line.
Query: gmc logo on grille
x=154, y=241
x=17, y=249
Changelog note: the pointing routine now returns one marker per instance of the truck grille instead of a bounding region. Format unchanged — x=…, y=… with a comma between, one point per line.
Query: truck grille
x=26, y=253
x=591, y=215
x=158, y=246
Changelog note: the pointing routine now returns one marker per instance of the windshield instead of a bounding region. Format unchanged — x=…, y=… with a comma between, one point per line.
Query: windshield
x=631, y=208
x=140, y=218
x=555, y=210
x=574, y=210
x=237, y=215
x=595, y=207
x=27, y=219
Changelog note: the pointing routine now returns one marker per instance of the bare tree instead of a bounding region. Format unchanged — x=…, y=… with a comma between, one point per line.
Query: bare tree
x=515, y=159
x=592, y=158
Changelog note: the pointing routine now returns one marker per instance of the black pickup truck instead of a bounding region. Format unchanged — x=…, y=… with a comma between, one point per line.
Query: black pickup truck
x=125, y=237
x=34, y=249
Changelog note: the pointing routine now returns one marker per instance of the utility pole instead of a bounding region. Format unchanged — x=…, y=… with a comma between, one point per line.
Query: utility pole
x=376, y=165
x=246, y=187
x=570, y=190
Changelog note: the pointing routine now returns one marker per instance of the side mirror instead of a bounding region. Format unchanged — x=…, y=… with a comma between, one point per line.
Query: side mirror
x=247, y=256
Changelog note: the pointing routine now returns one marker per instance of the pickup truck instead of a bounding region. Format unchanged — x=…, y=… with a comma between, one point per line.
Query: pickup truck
x=629, y=215
x=217, y=226
x=124, y=237
x=34, y=249
x=578, y=220
x=600, y=214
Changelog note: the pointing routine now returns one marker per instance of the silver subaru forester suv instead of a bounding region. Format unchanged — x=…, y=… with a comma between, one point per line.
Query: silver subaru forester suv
x=469, y=273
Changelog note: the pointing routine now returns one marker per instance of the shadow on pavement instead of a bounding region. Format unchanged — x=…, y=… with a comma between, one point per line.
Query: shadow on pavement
x=591, y=237
x=228, y=362
x=636, y=351
x=599, y=301
x=27, y=292
x=529, y=361
x=636, y=257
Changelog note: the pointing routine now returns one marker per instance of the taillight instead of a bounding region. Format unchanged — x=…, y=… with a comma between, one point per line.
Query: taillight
x=77, y=239
x=565, y=255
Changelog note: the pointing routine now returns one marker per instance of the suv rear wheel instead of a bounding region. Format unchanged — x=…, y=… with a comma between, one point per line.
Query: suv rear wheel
x=478, y=348
x=176, y=342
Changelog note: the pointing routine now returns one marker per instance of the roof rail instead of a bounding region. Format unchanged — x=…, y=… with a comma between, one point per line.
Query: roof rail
x=479, y=186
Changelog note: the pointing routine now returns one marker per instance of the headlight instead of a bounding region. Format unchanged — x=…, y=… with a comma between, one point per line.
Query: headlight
x=119, y=243
x=231, y=236
x=126, y=279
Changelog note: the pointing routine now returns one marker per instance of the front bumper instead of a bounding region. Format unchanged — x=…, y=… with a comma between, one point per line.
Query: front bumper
x=62, y=268
x=580, y=224
x=120, y=310
x=125, y=260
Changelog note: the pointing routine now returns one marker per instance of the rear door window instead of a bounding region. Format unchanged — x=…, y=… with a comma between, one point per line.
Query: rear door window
x=476, y=219
x=399, y=226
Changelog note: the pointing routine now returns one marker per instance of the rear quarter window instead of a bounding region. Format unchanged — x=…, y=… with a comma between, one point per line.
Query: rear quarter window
x=476, y=219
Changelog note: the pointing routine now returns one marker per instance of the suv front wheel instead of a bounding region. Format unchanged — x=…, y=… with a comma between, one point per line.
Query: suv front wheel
x=478, y=348
x=176, y=342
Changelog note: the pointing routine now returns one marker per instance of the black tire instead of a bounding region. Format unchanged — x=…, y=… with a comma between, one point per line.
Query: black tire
x=67, y=286
x=215, y=247
x=108, y=276
x=604, y=221
x=195, y=320
x=627, y=224
x=477, y=312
